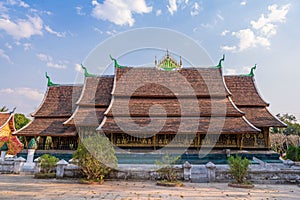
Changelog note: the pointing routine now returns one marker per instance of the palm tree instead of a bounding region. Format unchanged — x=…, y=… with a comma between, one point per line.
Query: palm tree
x=3, y=109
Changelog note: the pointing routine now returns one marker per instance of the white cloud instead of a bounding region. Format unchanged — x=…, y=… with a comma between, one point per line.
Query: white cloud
x=195, y=9
x=49, y=30
x=8, y=45
x=261, y=30
x=158, y=12
x=98, y=30
x=18, y=3
x=27, y=46
x=60, y=65
x=243, y=3
x=78, y=68
x=113, y=32
x=79, y=10
x=230, y=72
x=224, y=33
x=172, y=7
x=44, y=57
x=119, y=12
x=228, y=48
x=246, y=37
x=5, y=56
x=49, y=61
x=276, y=15
x=29, y=93
x=22, y=28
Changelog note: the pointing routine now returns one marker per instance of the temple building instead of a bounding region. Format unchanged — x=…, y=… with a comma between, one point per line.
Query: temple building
x=47, y=126
x=154, y=107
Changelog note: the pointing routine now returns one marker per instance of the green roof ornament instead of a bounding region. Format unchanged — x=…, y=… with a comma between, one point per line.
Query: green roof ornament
x=4, y=147
x=116, y=63
x=219, y=66
x=49, y=81
x=86, y=73
x=32, y=144
x=251, y=71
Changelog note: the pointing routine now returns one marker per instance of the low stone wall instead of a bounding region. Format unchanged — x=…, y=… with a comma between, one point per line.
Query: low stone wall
x=7, y=166
x=140, y=172
x=283, y=173
x=264, y=177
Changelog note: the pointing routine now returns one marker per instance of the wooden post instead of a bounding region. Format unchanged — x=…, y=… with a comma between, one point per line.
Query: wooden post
x=198, y=142
x=154, y=142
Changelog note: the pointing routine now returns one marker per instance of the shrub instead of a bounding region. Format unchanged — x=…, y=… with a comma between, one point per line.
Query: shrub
x=238, y=168
x=298, y=153
x=293, y=153
x=48, y=163
x=96, y=157
x=166, y=170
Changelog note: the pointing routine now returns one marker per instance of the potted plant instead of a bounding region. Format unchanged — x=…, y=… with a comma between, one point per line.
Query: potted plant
x=167, y=173
x=47, y=163
x=238, y=168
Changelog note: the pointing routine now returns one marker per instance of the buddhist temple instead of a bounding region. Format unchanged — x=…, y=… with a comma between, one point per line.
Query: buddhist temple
x=47, y=126
x=166, y=105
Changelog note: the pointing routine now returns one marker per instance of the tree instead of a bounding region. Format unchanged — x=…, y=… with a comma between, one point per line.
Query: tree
x=293, y=128
x=20, y=120
x=96, y=157
x=3, y=109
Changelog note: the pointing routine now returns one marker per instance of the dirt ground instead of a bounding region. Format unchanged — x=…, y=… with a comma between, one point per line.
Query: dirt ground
x=26, y=187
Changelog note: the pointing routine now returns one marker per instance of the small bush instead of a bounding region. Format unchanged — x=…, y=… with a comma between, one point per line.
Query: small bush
x=166, y=170
x=298, y=153
x=238, y=168
x=48, y=163
x=96, y=157
x=293, y=153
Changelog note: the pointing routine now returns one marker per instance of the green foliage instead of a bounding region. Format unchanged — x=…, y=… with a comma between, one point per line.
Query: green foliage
x=166, y=170
x=238, y=168
x=293, y=153
x=3, y=109
x=20, y=121
x=96, y=157
x=293, y=128
x=48, y=163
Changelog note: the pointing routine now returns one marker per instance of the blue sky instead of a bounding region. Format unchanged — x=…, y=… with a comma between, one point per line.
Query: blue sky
x=56, y=36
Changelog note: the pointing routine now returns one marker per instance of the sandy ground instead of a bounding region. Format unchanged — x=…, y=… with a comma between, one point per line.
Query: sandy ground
x=26, y=187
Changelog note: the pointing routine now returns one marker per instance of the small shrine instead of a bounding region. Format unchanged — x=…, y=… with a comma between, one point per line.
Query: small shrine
x=9, y=142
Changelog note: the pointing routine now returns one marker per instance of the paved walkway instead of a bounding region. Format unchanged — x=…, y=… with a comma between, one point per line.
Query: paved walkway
x=26, y=187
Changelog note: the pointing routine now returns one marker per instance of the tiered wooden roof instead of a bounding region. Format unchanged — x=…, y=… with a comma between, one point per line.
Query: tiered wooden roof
x=191, y=98
x=93, y=102
x=56, y=108
x=247, y=98
x=7, y=118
